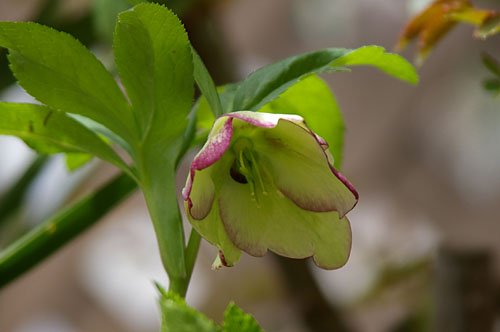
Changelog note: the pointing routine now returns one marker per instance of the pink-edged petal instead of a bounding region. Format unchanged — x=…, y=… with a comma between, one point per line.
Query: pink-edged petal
x=217, y=143
x=265, y=120
x=302, y=170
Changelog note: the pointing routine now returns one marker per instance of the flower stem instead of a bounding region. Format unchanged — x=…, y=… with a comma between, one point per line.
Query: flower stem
x=180, y=285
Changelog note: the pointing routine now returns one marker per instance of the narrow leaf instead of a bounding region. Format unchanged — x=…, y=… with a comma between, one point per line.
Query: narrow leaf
x=392, y=64
x=55, y=232
x=40, y=124
x=12, y=198
x=206, y=84
x=491, y=63
x=60, y=72
x=271, y=81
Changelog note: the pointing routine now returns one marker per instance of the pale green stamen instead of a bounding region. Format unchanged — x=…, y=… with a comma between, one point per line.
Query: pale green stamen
x=256, y=170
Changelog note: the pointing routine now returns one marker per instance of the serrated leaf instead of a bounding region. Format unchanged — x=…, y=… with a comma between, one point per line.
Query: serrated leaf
x=104, y=15
x=236, y=320
x=153, y=57
x=60, y=72
x=40, y=124
x=177, y=316
x=312, y=99
x=271, y=81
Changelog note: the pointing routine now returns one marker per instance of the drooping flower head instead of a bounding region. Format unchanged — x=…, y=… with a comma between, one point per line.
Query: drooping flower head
x=266, y=181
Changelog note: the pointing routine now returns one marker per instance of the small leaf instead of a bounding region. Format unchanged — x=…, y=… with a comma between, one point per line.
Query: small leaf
x=392, y=64
x=489, y=27
x=76, y=160
x=177, y=316
x=206, y=84
x=312, y=99
x=60, y=72
x=271, y=81
x=491, y=63
x=236, y=320
x=54, y=129
x=492, y=85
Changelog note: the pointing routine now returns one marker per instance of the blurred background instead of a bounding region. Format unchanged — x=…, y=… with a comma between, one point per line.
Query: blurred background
x=425, y=160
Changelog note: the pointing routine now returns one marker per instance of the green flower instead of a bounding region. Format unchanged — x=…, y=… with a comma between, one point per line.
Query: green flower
x=266, y=181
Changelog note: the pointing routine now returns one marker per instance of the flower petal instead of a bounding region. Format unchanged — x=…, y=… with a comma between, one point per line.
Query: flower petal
x=217, y=143
x=302, y=170
x=212, y=230
x=274, y=222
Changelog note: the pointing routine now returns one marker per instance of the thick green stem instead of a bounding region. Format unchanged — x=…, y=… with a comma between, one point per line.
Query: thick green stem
x=180, y=285
x=52, y=234
x=158, y=187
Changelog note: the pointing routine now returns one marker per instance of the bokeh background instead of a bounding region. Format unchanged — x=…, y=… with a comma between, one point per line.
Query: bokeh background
x=425, y=160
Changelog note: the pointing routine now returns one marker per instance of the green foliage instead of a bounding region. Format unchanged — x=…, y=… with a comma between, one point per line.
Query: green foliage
x=58, y=230
x=491, y=84
x=59, y=71
x=206, y=84
x=53, y=131
x=177, y=316
x=312, y=99
x=271, y=81
x=236, y=320
x=76, y=160
x=153, y=56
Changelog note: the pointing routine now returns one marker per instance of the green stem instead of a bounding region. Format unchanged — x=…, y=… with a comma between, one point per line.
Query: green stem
x=12, y=198
x=158, y=187
x=180, y=285
x=55, y=232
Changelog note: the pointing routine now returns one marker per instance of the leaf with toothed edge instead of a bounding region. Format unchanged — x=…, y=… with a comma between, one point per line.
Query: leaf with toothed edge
x=53, y=131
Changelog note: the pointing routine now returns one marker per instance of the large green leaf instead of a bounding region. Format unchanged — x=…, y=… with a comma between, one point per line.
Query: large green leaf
x=60, y=72
x=153, y=56
x=312, y=99
x=271, y=81
x=56, y=130
x=235, y=320
x=177, y=316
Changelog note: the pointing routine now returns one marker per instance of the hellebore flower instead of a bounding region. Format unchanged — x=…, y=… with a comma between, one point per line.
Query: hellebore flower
x=266, y=181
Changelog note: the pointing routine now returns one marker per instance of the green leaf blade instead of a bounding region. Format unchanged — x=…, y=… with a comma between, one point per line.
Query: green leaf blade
x=60, y=72
x=153, y=57
x=390, y=63
x=206, y=84
x=177, y=316
x=236, y=320
x=53, y=131
x=312, y=99
x=269, y=82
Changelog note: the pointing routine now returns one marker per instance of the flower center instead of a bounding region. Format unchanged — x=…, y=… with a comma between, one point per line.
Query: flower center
x=245, y=168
